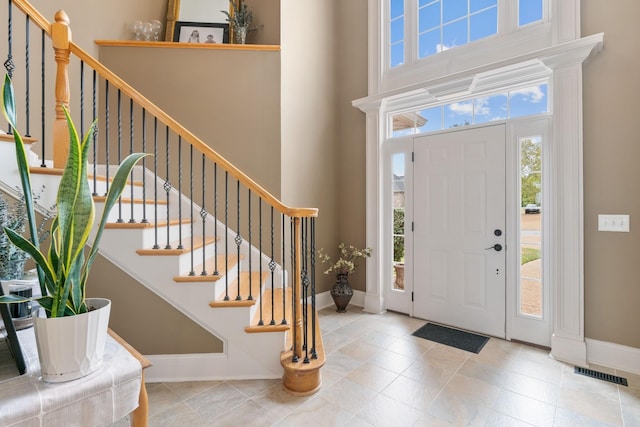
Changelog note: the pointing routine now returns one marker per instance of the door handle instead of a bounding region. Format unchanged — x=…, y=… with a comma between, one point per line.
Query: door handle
x=497, y=247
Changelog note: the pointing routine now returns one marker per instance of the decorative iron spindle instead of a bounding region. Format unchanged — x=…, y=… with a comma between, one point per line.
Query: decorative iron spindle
x=314, y=354
x=27, y=79
x=180, y=245
x=192, y=272
x=284, y=301
x=43, y=103
x=215, y=219
x=294, y=292
x=305, y=290
x=226, y=234
x=94, y=137
x=8, y=64
x=203, y=215
x=119, y=110
x=144, y=167
x=250, y=298
x=132, y=220
x=272, y=268
x=155, y=183
x=261, y=321
x=107, y=122
x=82, y=99
x=238, y=238
x=167, y=186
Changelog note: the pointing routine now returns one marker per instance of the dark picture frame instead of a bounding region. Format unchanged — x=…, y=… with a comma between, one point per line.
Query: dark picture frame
x=12, y=337
x=207, y=32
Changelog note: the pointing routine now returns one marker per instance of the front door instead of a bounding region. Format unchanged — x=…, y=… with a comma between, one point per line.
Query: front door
x=459, y=229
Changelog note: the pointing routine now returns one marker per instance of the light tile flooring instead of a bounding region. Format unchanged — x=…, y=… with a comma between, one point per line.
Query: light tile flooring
x=378, y=374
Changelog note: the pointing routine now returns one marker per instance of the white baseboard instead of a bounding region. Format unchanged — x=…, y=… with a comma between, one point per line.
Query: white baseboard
x=569, y=350
x=613, y=355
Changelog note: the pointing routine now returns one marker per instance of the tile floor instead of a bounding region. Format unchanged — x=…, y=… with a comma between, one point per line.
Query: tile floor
x=377, y=374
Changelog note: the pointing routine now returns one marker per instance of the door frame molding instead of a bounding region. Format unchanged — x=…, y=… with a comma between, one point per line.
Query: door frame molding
x=563, y=63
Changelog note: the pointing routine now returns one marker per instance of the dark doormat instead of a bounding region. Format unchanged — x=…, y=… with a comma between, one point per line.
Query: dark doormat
x=452, y=337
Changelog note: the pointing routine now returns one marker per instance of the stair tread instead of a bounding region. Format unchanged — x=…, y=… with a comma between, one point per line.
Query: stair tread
x=243, y=277
x=137, y=201
x=314, y=364
x=59, y=171
x=198, y=242
x=275, y=314
x=210, y=269
x=144, y=225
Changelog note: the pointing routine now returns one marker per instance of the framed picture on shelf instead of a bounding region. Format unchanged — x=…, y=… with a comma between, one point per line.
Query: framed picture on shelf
x=201, y=32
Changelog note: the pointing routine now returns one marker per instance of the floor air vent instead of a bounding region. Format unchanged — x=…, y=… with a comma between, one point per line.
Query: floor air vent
x=602, y=376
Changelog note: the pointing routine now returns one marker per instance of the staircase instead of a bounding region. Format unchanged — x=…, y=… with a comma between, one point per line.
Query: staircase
x=190, y=226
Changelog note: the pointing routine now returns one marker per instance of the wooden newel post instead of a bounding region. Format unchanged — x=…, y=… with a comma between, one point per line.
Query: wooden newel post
x=297, y=283
x=61, y=36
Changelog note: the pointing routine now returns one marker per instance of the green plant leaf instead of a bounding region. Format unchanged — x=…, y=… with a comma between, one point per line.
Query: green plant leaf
x=29, y=248
x=9, y=112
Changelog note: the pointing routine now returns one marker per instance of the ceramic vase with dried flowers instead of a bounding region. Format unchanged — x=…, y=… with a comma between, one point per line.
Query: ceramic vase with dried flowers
x=240, y=19
x=344, y=266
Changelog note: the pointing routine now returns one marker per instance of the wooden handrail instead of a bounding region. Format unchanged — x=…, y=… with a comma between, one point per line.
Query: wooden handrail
x=162, y=116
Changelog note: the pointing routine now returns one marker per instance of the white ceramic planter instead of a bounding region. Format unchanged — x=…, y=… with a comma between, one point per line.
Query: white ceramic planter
x=73, y=346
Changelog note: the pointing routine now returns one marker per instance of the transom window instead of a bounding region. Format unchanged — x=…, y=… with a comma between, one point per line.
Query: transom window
x=438, y=25
x=443, y=24
x=507, y=105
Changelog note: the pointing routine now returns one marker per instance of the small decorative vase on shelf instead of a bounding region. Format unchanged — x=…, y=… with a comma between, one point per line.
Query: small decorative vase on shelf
x=240, y=35
x=341, y=292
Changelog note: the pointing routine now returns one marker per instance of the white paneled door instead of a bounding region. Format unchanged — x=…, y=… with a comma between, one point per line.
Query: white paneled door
x=459, y=234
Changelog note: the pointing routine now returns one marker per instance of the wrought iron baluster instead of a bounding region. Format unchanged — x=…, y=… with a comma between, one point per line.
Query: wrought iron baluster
x=192, y=272
x=82, y=127
x=203, y=215
x=215, y=219
x=180, y=245
x=144, y=167
x=305, y=290
x=250, y=298
x=294, y=292
x=238, y=238
x=155, y=183
x=226, y=236
x=43, y=102
x=107, y=132
x=167, y=185
x=27, y=78
x=132, y=220
x=8, y=64
x=272, y=268
x=120, y=220
x=261, y=321
x=314, y=354
x=284, y=288
x=94, y=137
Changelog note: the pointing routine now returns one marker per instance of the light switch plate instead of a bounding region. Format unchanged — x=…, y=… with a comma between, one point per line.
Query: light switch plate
x=617, y=223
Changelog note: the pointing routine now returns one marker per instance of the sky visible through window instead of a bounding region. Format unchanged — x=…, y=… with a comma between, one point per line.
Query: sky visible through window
x=445, y=24
x=515, y=103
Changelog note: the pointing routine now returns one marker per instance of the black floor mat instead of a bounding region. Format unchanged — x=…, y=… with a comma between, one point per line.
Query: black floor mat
x=452, y=337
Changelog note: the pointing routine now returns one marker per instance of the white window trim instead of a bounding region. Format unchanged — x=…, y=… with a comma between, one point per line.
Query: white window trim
x=562, y=57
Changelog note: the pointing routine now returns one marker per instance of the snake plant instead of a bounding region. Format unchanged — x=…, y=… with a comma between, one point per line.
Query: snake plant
x=64, y=271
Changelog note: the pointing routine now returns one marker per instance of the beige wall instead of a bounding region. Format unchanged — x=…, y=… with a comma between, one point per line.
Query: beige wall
x=611, y=153
x=144, y=319
x=235, y=111
x=310, y=119
x=102, y=20
x=352, y=84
